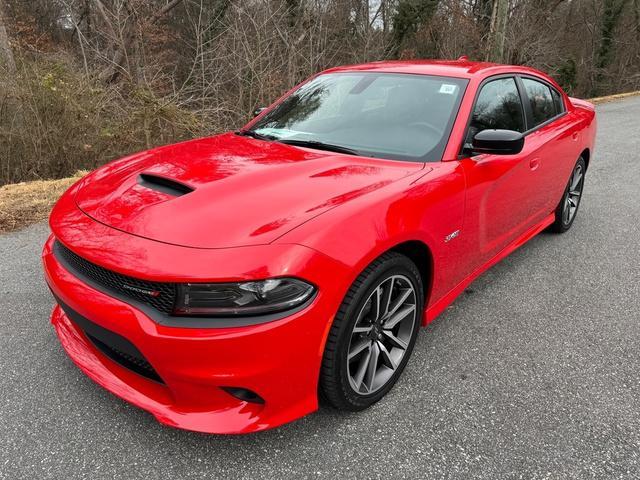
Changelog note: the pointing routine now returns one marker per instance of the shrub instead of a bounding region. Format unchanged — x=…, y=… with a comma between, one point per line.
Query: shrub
x=55, y=121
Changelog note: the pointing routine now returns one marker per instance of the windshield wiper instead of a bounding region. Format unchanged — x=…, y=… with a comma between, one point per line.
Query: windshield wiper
x=319, y=145
x=256, y=135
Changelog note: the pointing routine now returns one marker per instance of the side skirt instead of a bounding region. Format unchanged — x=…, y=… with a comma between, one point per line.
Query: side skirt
x=437, y=308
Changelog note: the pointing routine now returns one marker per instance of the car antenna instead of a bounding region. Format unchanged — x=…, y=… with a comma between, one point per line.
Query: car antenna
x=463, y=58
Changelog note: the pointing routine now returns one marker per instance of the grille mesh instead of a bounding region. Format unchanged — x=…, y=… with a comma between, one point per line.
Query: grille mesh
x=124, y=285
x=139, y=365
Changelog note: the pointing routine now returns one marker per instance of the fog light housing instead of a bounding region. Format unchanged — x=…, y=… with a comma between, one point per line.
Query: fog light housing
x=244, y=394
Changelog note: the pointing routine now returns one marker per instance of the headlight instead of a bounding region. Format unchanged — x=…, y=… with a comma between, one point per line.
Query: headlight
x=243, y=298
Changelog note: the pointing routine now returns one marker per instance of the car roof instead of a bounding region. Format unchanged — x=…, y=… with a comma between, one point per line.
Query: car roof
x=461, y=68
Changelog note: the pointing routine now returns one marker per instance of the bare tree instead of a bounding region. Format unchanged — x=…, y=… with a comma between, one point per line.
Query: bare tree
x=128, y=36
x=6, y=52
x=99, y=78
x=498, y=30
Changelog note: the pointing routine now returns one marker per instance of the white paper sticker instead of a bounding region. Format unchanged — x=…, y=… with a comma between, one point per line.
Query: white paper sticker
x=447, y=88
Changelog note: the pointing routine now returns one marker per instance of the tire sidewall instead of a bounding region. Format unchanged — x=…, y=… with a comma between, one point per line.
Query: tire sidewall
x=559, y=225
x=397, y=265
x=567, y=226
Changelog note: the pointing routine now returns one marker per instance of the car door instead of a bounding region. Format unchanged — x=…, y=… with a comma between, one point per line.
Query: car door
x=551, y=139
x=503, y=191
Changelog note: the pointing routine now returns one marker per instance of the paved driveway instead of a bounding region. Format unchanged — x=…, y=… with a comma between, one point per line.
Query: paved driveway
x=533, y=373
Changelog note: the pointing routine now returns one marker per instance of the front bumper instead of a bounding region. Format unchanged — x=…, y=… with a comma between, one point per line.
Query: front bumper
x=279, y=360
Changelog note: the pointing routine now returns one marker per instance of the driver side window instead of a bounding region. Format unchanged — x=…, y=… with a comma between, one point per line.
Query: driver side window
x=498, y=106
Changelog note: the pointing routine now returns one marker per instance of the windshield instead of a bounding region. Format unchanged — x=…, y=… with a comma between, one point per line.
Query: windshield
x=395, y=116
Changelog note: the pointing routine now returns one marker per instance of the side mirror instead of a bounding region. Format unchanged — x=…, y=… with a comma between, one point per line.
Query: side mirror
x=258, y=111
x=497, y=142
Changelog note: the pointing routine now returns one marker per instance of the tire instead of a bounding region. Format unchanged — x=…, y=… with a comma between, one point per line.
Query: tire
x=567, y=209
x=339, y=375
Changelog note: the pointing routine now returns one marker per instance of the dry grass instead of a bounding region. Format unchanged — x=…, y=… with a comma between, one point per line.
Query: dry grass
x=22, y=204
x=611, y=98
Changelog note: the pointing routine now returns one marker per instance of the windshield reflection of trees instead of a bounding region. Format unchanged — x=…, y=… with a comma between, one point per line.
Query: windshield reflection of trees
x=296, y=108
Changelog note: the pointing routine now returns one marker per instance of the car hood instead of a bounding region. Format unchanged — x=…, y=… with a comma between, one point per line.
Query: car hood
x=228, y=191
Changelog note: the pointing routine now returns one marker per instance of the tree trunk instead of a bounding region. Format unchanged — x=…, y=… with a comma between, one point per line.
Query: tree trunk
x=8, y=63
x=636, y=11
x=612, y=14
x=409, y=16
x=482, y=11
x=113, y=72
x=6, y=52
x=498, y=31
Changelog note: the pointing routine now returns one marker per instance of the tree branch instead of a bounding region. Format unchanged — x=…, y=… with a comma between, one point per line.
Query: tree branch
x=112, y=73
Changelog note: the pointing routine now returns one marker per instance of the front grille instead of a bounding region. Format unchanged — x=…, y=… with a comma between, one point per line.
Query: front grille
x=160, y=296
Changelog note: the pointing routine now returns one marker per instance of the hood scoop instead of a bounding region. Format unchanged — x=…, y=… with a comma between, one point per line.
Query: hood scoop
x=164, y=184
x=228, y=191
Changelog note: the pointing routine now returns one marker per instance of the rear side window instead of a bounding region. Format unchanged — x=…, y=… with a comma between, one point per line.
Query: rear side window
x=543, y=107
x=557, y=101
x=498, y=106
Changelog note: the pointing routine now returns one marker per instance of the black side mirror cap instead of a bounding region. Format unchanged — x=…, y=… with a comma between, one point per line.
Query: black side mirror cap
x=497, y=142
x=258, y=111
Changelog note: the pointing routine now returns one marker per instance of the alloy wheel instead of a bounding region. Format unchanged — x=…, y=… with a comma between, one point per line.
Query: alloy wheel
x=381, y=334
x=574, y=193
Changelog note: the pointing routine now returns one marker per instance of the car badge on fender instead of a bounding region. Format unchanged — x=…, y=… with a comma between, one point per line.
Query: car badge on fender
x=451, y=236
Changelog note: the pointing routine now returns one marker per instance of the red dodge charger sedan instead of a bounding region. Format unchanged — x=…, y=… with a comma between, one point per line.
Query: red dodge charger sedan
x=226, y=284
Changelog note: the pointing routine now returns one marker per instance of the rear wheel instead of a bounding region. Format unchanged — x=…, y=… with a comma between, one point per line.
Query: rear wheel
x=567, y=209
x=373, y=334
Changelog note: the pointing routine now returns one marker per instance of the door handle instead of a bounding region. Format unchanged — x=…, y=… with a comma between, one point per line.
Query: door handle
x=534, y=163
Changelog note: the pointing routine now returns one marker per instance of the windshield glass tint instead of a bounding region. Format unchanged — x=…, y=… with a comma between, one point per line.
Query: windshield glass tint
x=395, y=116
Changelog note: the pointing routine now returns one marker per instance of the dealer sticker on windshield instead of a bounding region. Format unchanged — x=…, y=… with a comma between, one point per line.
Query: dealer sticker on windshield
x=447, y=88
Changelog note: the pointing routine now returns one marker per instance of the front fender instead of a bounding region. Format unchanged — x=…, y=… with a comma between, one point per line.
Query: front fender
x=429, y=209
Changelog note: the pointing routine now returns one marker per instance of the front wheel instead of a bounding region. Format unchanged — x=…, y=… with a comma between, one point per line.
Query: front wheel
x=373, y=334
x=567, y=209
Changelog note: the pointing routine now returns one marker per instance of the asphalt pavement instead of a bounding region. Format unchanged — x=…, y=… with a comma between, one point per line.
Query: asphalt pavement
x=533, y=373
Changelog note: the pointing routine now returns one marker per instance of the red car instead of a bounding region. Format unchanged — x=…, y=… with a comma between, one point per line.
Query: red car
x=224, y=284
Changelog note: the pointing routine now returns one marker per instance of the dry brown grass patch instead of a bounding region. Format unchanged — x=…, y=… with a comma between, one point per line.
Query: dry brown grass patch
x=611, y=98
x=22, y=204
